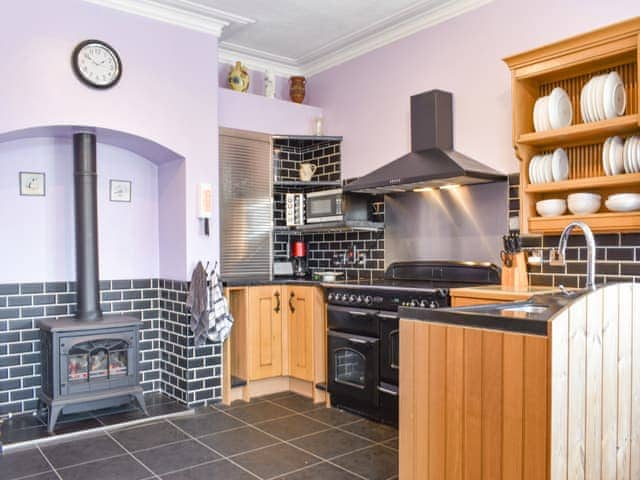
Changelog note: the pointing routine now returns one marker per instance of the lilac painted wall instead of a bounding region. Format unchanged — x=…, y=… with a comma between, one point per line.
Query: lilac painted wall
x=367, y=99
x=256, y=113
x=38, y=235
x=167, y=93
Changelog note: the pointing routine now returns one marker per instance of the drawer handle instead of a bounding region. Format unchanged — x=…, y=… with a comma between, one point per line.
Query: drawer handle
x=277, y=309
x=292, y=305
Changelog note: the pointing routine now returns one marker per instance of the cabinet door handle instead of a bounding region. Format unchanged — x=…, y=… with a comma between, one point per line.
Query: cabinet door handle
x=277, y=309
x=292, y=306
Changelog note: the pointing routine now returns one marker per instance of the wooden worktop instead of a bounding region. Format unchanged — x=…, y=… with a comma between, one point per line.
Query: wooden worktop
x=498, y=292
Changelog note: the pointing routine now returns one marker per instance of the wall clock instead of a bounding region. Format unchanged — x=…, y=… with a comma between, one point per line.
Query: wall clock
x=96, y=64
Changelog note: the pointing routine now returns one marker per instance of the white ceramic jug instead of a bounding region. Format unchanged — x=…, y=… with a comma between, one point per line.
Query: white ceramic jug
x=306, y=171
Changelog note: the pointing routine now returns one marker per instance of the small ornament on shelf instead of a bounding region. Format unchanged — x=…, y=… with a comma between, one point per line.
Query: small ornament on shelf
x=239, y=78
x=269, y=84
x=297, y=89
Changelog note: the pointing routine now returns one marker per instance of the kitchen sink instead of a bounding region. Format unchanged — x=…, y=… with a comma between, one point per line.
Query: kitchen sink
x=527, y=309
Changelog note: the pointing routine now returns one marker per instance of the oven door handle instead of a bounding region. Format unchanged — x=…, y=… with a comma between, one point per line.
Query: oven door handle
x=388, y=391
x=387, y=315
x=358, y=314
x=354, y=339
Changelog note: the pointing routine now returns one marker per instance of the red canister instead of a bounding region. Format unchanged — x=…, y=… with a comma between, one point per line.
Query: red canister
x=298, y=249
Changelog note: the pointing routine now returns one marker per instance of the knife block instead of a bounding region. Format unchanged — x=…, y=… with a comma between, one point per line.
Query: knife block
x=516, y=277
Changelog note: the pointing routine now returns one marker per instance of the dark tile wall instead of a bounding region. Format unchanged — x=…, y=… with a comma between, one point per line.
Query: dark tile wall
x=190, y=374
x=168, y=360
x=289, y=153
x=617, y=254
x=323, y=248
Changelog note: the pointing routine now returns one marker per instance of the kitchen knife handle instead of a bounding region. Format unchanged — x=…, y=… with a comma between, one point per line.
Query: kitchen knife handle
x=277, y=309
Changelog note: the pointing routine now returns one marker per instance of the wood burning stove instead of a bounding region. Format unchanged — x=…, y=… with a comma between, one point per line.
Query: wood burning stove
x=90, y=361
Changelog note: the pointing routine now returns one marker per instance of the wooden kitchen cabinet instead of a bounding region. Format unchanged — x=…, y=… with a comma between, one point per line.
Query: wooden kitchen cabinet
x=278, y=341
x=265, y=331
x=299, y=320
x=493, y=404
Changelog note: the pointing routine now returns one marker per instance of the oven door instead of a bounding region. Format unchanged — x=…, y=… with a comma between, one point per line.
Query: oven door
x=389, y=347
x=353, y=368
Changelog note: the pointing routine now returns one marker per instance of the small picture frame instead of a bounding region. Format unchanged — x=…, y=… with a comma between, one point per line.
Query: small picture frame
x=32, y=184
x=120, y=191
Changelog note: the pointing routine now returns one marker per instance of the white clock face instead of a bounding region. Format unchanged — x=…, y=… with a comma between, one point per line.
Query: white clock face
x=98, y=64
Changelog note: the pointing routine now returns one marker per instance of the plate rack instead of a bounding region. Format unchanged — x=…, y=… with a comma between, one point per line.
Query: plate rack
x=570, y=64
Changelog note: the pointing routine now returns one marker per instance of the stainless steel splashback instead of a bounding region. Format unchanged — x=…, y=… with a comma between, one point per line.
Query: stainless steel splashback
x=246, y=205
x=462, y=224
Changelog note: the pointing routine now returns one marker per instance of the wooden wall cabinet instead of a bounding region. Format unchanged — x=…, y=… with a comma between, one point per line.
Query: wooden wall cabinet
x=265, y=332
x=570, y=64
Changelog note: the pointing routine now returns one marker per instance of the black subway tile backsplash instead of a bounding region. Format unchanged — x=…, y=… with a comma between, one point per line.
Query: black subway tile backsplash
x=166, y=343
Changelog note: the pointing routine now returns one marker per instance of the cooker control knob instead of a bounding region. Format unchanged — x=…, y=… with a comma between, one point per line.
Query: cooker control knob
x=413, y=303
x=442, y=293
x=424, y=304
x=352, y=299
x=359, y=299
x=368, y=300
x=330, y=297
x=433, y=304
x=345, y=297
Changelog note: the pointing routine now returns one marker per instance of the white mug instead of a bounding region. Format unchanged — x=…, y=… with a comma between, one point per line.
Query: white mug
x=306, y=171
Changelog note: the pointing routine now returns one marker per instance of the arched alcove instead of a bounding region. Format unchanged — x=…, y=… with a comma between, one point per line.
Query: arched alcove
x=144, y=238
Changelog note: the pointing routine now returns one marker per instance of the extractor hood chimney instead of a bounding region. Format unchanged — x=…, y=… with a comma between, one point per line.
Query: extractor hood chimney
x=432, y=162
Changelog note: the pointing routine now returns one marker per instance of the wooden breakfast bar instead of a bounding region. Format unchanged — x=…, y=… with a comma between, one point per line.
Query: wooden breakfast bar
x=511, y=392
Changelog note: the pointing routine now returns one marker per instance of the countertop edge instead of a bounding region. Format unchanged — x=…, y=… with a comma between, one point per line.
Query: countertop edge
x=471, y=320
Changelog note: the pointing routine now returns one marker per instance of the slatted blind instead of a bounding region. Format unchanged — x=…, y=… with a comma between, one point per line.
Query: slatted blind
x=246, y=205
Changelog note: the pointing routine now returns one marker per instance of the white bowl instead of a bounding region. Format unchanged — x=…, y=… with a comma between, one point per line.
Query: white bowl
x=584, y=203
x=623, y=202
x=551, y=207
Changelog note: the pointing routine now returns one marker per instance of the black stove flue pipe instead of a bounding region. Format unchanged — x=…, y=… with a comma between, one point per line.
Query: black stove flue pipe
x=86, y=222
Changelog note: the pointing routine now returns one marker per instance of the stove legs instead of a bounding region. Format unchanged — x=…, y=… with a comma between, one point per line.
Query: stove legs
x=139, y=396
x=54, y=413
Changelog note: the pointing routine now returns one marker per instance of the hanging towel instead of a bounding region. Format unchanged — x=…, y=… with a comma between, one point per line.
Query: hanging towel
x=220, y=319
x=197, y=304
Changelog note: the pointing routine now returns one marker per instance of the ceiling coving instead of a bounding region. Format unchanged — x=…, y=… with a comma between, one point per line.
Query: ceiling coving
x=293, y=37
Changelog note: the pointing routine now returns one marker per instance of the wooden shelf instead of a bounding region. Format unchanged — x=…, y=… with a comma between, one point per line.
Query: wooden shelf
x=593, y=132
x=309, y=184
x=599, y=222
x=592, y=183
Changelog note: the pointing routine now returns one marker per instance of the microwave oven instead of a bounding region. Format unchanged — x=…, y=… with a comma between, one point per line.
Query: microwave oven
x=324, y=206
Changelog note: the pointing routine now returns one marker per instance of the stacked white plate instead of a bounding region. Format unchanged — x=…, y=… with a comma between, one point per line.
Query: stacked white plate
x=551, y=167
x=623, y=202
x=603, y=97
x=553, y=111
x=631, y=154
x=612, y=156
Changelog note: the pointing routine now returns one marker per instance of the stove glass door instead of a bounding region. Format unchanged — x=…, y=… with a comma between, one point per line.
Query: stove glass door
x=353, y=367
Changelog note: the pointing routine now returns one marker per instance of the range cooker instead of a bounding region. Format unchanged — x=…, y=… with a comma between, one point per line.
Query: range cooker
x=363, y=329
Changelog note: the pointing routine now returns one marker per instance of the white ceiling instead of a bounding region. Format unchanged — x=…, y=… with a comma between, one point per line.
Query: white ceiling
x=299, y=36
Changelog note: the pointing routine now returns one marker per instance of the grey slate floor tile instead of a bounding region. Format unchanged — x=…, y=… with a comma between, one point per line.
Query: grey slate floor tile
x=22, y=463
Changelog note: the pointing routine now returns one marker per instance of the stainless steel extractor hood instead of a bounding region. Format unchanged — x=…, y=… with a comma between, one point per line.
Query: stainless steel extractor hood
x=432, y=162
